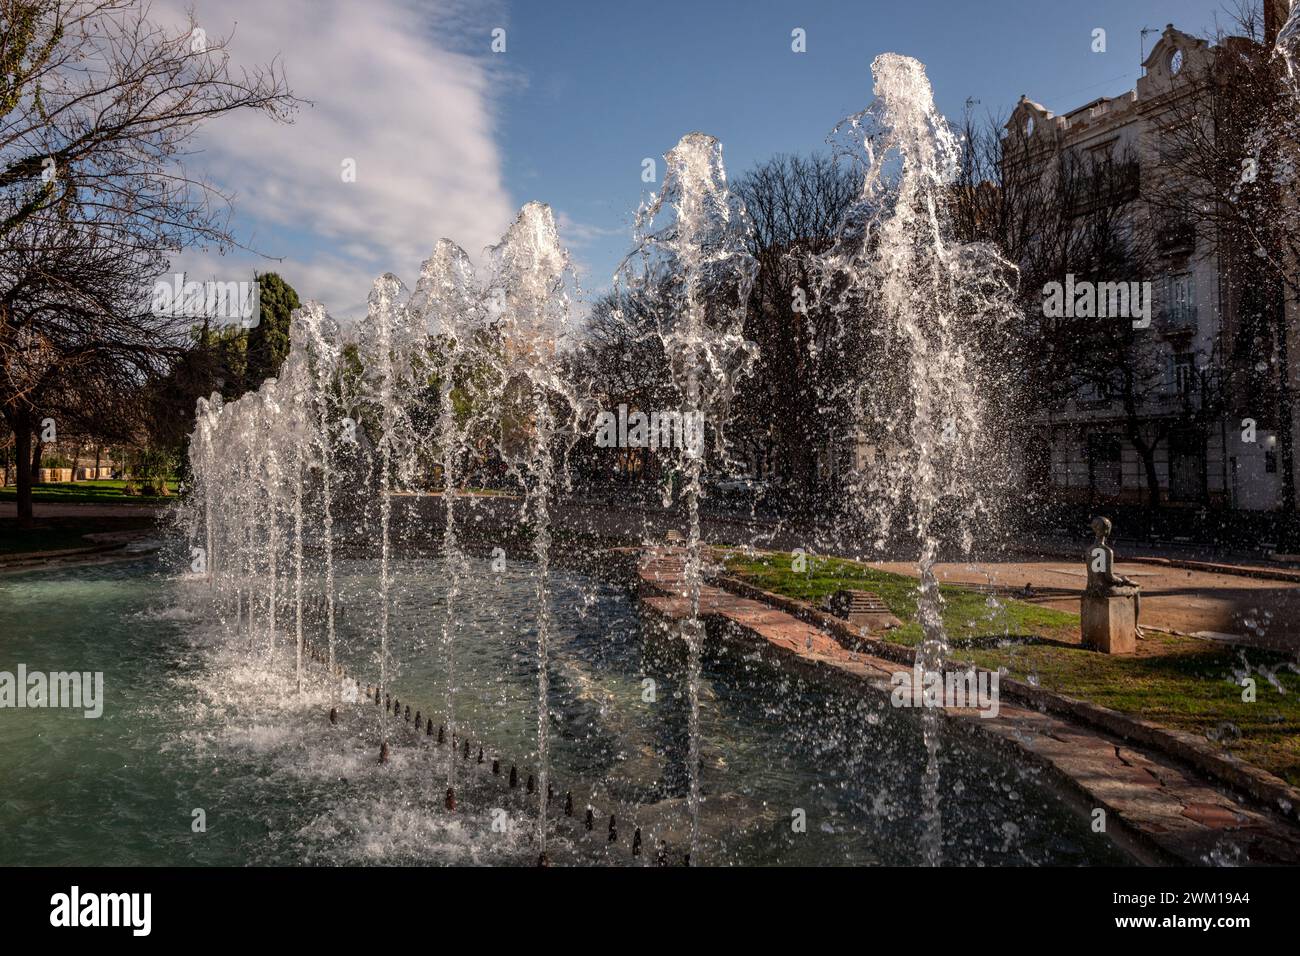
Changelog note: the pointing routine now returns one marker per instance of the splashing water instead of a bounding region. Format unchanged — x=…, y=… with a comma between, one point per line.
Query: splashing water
x=1288, y=47
x=928, y=300
x=497, y=354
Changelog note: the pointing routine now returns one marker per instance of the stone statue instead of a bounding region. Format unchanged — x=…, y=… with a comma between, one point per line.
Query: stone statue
x=1105, y=624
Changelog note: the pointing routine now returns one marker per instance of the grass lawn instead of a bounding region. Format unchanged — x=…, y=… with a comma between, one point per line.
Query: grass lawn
x=93, y=492
x=57, y=534
x=1180, y=682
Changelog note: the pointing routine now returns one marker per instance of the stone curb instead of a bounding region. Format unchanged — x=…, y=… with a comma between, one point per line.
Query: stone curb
x=1209, y=567
x=36, y=558
x=1189, y=564
x=1226, y=769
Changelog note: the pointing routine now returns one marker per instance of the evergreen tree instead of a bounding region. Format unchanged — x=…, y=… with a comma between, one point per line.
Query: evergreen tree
x=268, y=341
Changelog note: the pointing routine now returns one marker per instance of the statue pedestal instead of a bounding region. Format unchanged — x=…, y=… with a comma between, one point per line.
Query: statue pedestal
x=1110, y=623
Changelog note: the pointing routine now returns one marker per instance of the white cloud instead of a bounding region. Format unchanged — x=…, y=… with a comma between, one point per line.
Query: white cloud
x=581, y=233
x=392, y=88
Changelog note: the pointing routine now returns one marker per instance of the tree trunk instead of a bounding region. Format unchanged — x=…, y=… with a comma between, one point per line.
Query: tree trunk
x=22, y=458
x=1148, y=453
x=38, y=447
x=1286, y=435
x=1147, y=450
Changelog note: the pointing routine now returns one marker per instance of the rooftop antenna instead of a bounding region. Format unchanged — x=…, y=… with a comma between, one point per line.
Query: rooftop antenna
x=1145, y=31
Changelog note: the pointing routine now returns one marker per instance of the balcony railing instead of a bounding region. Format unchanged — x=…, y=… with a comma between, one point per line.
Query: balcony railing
x=1181, y=317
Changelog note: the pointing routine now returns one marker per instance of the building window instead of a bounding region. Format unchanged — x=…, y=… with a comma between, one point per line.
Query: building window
x=1105, y=463
x=1185, y=373
x=1180, y=300
x=1181, y=376
x=1186, y=466
x=1093, y=391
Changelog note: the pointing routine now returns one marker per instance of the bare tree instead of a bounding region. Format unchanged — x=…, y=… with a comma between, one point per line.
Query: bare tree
x=795, y=408
x=621, y=361
x=98, y=107
x=78, y=338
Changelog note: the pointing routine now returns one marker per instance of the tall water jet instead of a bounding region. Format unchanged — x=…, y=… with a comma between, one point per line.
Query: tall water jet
x=250, y=410
x=389, y=352
x=931, y=302
x=691, y=273
x=263, y=429
x=203, y=487
x=529, y=303
x=1287, y=48
x=319, y=335
x=296, y=386
x=448, y=302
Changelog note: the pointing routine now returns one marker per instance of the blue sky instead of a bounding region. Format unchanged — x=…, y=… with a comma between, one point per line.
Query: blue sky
x=451, y=138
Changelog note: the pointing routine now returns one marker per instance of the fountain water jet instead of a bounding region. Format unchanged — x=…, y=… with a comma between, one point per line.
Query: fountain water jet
x=390, y=349
x=317, y=335
x=691, y=272
x=448, y=301
x=529, y=301
x=931, y=299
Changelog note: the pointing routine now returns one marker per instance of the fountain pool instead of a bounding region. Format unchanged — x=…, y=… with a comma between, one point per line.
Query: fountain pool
x=193, y=721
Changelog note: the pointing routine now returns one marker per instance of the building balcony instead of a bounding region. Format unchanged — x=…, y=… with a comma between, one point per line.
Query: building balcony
x=1176, y=319
x=1177, y=238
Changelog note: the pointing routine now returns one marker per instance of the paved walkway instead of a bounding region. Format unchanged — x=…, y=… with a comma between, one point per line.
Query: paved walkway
x=1168, y=813
x=76, y=509
x=1247, y=610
